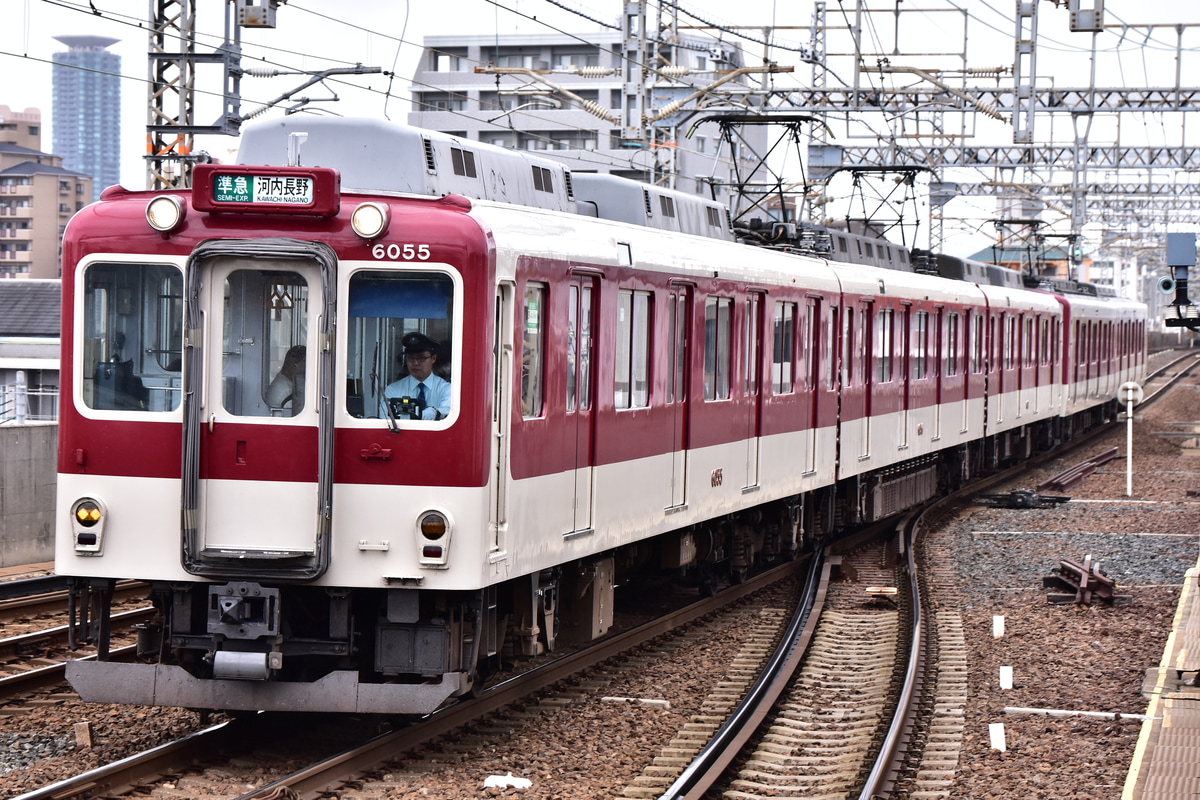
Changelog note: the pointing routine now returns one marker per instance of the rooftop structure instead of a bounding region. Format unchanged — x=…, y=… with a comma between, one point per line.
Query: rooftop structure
x=565, y=97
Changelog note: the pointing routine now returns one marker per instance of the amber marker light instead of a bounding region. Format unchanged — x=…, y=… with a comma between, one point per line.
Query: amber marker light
x=87, y=526
x=433, y=525
x=87, y=513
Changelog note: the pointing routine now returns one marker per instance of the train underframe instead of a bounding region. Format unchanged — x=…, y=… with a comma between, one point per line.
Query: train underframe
x=251, y=645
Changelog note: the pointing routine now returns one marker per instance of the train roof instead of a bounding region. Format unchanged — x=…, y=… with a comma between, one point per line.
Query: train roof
x=375, y=156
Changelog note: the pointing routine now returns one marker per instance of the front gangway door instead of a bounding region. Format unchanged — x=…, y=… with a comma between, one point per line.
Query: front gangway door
x=257, y=474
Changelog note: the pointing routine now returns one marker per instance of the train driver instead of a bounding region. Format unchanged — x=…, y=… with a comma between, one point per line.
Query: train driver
x=420, y=394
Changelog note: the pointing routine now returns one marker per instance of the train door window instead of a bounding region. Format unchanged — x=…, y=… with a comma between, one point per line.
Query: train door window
x=631, y=384
x=847, y=347
x=951, y=349
x=808, y=356
x=718, y=324
x=278, y=302
x=1027, y=355
x=132, y=337
x=532, y=350
x=831, y=337
x=1010, y=341
x=676, y=345
x=975, y=331
x=920, y=344
x=401, y=339
x=883, y=345
x=579, y=347
x=783, y=359
x=753, y=353
x=1055, y=341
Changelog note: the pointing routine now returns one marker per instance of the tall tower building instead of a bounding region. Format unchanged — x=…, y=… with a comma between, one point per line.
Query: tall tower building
x=87, y=109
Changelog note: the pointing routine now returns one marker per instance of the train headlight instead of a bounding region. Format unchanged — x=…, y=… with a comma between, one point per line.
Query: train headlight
x=165, y=213
x=369, y=220
x=87, y=525
x=434, y=529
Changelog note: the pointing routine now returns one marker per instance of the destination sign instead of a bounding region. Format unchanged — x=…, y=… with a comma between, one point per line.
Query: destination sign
x=269, y=189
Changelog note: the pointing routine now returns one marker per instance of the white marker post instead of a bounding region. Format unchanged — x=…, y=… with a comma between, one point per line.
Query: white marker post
x=1130, y=394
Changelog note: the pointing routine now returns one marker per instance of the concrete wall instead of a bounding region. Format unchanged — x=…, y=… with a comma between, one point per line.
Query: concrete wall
x=28, y=479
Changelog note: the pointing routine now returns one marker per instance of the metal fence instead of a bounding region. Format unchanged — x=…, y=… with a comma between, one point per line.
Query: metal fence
x=20, y=404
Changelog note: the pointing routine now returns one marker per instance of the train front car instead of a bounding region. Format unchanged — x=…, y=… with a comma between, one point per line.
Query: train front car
x=242, y=427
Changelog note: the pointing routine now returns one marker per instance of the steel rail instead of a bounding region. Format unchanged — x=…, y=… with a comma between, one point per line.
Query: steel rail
x=31, y=680
x=312, y=781
x=121, y=776
x=894, y=749
x=716, y=756
x=40, y=595
x=16, y=646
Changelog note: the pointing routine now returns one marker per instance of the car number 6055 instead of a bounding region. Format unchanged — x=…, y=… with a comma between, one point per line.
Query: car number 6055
x=401, y=252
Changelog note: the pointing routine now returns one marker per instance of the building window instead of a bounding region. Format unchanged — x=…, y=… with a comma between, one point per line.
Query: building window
x=441, y=101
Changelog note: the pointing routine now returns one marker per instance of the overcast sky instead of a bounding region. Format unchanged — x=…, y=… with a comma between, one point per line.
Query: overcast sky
x=319, y=34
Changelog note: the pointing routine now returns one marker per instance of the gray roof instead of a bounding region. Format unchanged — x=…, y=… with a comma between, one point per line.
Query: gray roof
x=30, y=307
x=9, y=147
x=34, y=168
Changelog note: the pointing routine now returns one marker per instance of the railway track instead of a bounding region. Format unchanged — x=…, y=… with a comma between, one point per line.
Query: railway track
x=333, y=770
x=36, y=660
x=936, y=733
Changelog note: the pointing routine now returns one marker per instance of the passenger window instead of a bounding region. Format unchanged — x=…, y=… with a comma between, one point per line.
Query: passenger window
x=532, y=350
x=132, y=337
x=718, y=320
x=784, y=358
x=883, y=346
x=631, y=385
x=400, y=358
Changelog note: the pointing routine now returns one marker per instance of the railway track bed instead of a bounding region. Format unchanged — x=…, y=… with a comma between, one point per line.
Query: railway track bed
x=625, y=733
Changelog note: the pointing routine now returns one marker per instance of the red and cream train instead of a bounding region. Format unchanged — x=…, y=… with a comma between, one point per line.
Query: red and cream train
x=635, y=387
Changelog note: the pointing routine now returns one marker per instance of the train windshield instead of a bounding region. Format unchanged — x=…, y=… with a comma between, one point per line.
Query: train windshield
x=400, y=349
x=132, y=337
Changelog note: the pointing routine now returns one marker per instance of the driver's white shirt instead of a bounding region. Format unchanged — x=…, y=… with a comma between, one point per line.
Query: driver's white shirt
x=437, y=394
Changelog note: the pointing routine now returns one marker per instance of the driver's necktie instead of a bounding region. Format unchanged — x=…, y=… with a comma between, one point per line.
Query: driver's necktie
x=421, y=396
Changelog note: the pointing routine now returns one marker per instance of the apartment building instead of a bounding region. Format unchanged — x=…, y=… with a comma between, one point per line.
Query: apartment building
x=37, y=198
x=566, y=95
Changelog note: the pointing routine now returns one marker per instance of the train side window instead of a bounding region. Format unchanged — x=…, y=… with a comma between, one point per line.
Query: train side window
x=718, y=322
x=132, y=337
x=975, y=328
x=920, y=344
x=391, y=312
x=1010, y=341
x=883, y=344
x=532, y=350
x=631, y=383
x=783, y=359
x=952, y=336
